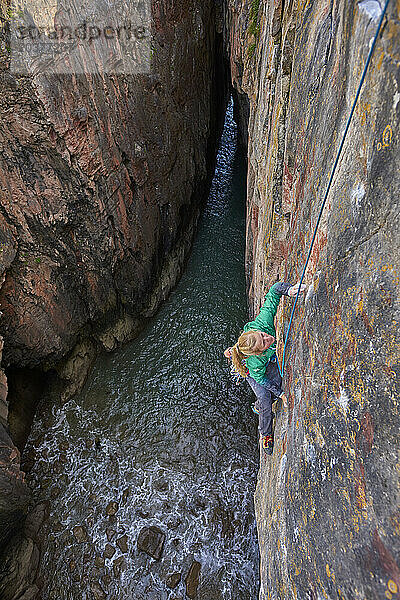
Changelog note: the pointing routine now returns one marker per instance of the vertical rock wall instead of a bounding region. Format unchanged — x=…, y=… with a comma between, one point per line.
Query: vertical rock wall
x=327, y=501
x=101, y=179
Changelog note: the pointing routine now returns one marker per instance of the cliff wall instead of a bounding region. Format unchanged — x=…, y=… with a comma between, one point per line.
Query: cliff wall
x=327, y=500
x=102, y=178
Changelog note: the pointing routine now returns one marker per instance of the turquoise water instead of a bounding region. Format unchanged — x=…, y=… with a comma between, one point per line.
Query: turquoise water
x=161, y=429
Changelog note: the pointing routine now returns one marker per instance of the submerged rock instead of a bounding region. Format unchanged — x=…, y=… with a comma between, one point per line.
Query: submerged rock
x=192, y=579
x=151, y=541
x=109, y=551
x=122, y=543
x=173, y=580
x=80, y=533
x=112, y=508
x=118, y=566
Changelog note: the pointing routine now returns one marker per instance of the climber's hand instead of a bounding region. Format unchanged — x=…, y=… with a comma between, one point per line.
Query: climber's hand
x=292, y=291
x=228, y=353
x=284, y=401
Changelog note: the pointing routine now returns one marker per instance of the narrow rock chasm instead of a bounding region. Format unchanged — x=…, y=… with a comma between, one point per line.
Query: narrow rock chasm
x=99, y=210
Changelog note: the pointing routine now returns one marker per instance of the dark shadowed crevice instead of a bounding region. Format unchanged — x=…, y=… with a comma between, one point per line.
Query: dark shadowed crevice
x=25, y=389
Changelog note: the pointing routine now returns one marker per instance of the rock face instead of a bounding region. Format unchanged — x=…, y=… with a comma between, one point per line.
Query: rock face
x=101, y=181
x=326, y=505
x=14, y=495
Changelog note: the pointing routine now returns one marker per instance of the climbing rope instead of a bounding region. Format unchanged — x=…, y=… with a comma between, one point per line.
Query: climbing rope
x=331, y=177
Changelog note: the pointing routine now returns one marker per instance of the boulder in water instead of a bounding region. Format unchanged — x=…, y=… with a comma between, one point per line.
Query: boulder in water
x=99, y=562
x=151, y=541
x=173, y=580
x=118, y=566
x=112, y=508
x=122, y=543
x=80, y=533
x=192, y=579
x=109, y=551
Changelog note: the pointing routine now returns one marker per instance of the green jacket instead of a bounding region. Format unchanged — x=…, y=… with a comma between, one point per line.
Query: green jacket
x=265, y=322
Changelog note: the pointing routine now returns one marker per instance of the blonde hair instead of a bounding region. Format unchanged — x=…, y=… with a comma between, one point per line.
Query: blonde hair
x=245, y=347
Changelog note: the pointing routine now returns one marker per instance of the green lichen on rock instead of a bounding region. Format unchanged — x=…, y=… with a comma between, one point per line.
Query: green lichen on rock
x=253, y=29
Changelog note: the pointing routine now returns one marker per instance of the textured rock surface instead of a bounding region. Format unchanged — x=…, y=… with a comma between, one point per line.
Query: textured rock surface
x=94, y=207
x=326, y=502
x=14, y=495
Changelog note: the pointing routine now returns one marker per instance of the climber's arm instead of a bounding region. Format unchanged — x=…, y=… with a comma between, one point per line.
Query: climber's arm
x=265, y=319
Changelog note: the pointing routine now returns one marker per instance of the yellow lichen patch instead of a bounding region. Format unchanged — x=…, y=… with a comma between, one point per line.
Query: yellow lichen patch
x=330, y=573
x=392, y=586
x=346, y=495
x=388, y=594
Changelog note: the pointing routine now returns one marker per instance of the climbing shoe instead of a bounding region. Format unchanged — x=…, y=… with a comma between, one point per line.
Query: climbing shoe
x=267, y=443
x=255, y=409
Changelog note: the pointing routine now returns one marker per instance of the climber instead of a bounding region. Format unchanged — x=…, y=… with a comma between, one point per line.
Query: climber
x=253, y=357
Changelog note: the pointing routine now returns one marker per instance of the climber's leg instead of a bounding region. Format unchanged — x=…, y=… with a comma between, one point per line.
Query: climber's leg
x=264, y=405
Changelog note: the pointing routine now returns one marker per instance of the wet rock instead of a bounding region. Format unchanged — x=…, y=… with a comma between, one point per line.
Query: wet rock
x=97, y=591
x=118, y=566
x=30, y=594
x=99, y=562
x=80, y=533
x=125, y=495
x=173, y=580
x=192, y=579
x=110, y=533
x=122, y=543
x=18, y=567
x=81, y=114
x=112, y=508
x=151, y=541
x=35, y=519
x=72, y=565
x=109, y=551
x=144, y=513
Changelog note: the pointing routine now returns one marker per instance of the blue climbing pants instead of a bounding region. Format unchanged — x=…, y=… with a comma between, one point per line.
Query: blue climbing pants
x=266, y=394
